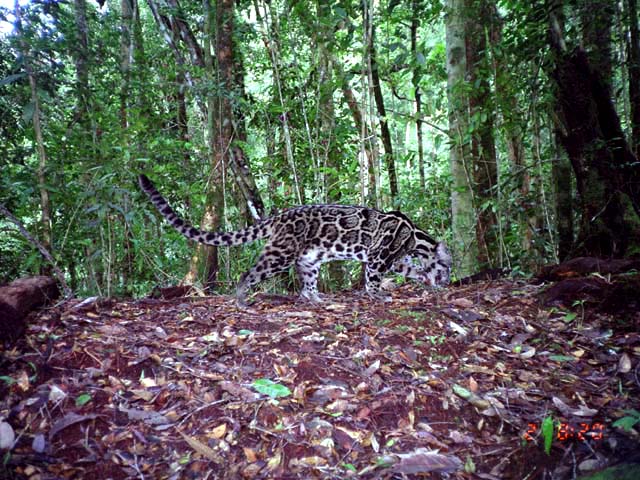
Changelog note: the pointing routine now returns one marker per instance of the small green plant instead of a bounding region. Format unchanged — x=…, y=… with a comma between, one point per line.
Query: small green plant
x=469, y=465
x=562, y=358
x=548, y=429
x=7, y=380
x=83, y=399
x=349, y=466
x=630, y=420
x=436, y=339
x=580, y=303
x=383, y=462
x=270, y=388
x=416, y=316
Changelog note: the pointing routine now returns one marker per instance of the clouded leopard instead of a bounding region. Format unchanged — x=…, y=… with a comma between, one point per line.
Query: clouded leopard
x=308, y=236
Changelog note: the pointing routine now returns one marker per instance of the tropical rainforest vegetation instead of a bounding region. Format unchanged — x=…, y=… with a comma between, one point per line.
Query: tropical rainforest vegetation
x=509, y=129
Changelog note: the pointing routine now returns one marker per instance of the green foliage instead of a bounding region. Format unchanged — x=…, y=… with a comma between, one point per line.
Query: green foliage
x=561, y=358
x=83, y=399
x=270, y=388
x=548, y=433
x=630, y=420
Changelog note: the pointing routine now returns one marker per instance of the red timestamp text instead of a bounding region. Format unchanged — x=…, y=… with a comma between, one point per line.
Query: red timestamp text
x=569, y=431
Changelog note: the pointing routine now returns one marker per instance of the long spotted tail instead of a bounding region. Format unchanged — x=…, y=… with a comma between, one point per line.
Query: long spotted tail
x=249, y=234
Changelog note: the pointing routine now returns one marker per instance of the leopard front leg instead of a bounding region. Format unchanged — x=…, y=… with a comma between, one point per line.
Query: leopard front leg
x=374, y=272
x=307, y=268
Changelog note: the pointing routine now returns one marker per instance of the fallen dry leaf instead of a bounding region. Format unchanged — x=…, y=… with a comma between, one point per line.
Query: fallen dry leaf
x=68, y=420
x=424, y=461
x=7, y=436
x=202, y=449
x=624, y=364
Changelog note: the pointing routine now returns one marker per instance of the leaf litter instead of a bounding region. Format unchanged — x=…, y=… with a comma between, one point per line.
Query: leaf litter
x=459, y=383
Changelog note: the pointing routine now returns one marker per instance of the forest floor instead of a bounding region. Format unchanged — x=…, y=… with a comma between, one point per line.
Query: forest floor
x=457, y=383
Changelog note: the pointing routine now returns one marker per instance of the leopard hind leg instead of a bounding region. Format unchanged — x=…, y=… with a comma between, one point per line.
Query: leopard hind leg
x=374, y=272
x=270, y=262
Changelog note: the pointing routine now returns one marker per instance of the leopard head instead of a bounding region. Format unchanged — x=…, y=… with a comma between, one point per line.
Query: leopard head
x=432, y=261
x=440, y=274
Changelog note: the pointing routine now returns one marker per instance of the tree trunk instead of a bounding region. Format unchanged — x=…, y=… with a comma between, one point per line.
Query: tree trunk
x=185, y=34
x=604, y=165
x=597, y=18
x=591, y=134
x=271, y=45
x=126, y=58
x=561, y=173
x=463, y=219
x=246, y=184
x=385, y=133
x=483, y=150
x=634, y=74
x=369, y=191
x=81, y=57
x=45, y=203
x=416, y=74
x=561, y=168
x=326, y=124
x=219, y=128
x=513, y=124
x=252, y=204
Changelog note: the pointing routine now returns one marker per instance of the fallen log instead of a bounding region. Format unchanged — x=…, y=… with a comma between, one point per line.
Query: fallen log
x=482, y=276
x=618, y=296
x=178, y=291
x=583, y=266
x=21, y=297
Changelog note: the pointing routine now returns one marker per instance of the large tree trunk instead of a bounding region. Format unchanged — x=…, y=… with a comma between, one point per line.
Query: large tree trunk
x=561, y=172
x=326, y=124
x=219, y=126
x=604, y=165
x=596, y=19
x=483, y=150
x=634, y=74
x=561, y=167
x=217, y=110
x=463, y=218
